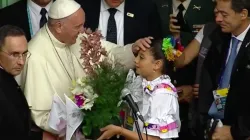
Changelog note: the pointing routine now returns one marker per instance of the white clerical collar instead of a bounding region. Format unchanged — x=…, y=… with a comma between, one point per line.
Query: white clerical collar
x=176, y=3
x=105, y=6
x=56, y=42
x=242, y=35
x=36, y=8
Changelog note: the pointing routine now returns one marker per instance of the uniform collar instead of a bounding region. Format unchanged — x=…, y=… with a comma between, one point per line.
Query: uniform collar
x=176, y=3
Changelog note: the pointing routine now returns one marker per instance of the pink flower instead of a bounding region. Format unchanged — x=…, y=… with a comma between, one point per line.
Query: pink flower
x=91, y=50
x=79, y=99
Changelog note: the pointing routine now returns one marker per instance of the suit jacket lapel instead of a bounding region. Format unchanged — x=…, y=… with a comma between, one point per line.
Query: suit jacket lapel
x=245, y=44
x=96, y=14
x=92, y=20
x=25, y=19
x=189, y=9
x=220, y=40
x=128, y=21
x=189, y=15
x=219, y=47
x=165, y=8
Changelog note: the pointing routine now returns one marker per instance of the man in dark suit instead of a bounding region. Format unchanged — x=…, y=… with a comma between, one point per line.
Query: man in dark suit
x=183, y=19
x=227, y=66
x=122, y=21
x=196, y=13
x=15, y=119
x=29, y=15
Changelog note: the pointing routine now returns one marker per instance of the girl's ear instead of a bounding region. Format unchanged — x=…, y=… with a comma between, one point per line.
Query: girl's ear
x=158, y=65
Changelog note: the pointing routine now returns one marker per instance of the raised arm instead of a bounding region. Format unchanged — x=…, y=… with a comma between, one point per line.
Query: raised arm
x=191, y=51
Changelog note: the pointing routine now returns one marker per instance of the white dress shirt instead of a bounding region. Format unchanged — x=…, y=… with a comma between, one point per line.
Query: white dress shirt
x=119, y=19
x=240, y=38
x=35, y=16
x=176, y=3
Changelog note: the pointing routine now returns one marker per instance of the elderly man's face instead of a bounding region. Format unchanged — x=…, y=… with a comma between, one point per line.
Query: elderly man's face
x=13, y=54
x=73, y=26
x=114, y=3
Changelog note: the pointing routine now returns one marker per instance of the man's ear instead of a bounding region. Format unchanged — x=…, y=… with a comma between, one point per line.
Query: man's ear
x=59, y=26
x=244, y=14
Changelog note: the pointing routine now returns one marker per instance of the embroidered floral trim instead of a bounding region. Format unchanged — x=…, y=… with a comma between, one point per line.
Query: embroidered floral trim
x=159, y=86
x=163, y=129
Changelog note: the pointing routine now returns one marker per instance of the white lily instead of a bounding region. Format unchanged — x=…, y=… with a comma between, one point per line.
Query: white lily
x=88, y=91
x=89, y=102
x=81, y=82
x=77, y=90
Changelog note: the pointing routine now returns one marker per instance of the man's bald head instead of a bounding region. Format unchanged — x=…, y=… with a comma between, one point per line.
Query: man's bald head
x=66, y=20
x=67, y=29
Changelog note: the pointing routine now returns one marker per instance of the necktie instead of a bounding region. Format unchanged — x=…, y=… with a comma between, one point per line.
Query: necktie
x=43, y=19
x=180, y=16
x=112, y=30
x=225, y=80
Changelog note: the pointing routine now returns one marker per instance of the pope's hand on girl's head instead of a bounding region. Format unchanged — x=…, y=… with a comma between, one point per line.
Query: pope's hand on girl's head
x=109, y=131
x=141, y=44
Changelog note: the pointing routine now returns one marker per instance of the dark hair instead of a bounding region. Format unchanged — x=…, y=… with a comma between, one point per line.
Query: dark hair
x=158, y=54
x=9, y=30
x=239, y=5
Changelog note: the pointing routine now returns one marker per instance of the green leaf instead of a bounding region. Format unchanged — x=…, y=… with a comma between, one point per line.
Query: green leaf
x=107, y=83
x=86, y=130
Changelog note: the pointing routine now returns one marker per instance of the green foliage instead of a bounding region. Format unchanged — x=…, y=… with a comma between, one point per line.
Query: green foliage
x=108, y=83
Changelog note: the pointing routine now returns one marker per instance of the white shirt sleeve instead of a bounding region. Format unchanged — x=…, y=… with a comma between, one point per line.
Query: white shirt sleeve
x=199, y=36
x=163, y=119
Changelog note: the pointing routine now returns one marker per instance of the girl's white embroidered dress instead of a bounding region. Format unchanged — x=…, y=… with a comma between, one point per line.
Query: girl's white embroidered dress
x=159, y=106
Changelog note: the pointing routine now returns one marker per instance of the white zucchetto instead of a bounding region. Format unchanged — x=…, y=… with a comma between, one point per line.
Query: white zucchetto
x=63, y=8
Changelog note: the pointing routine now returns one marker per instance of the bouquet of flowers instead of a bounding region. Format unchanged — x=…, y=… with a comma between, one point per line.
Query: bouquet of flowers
x=98, y=93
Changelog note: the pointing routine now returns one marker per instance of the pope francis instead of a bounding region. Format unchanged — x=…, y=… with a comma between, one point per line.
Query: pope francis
x=55, y=59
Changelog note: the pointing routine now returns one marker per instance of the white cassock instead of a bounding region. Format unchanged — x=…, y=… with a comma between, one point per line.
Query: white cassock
x=51, y=68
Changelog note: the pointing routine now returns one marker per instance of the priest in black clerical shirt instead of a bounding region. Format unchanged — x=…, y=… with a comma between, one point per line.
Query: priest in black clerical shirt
x=15, y=115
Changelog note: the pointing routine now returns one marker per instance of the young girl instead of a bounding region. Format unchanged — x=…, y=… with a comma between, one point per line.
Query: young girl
x=160, y=107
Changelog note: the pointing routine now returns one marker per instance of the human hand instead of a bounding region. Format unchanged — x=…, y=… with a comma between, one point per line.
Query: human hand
x=109, y=131
x=175, y=30
x=196, y=90
x=141, y=44
x=222, y=133
x=186, y=94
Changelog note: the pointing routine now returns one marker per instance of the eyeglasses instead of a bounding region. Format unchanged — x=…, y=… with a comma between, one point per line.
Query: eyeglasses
x=18, y=56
